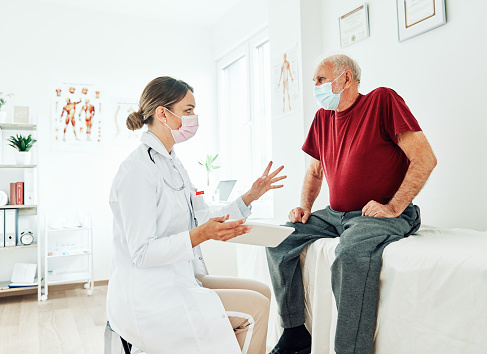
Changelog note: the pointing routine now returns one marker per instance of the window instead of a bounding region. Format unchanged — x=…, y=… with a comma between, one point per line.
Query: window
x=244, y=111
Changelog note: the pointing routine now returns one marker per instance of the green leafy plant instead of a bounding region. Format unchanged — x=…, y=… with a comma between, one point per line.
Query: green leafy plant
x=3, y=98
x=208, y=165
x=21, y=143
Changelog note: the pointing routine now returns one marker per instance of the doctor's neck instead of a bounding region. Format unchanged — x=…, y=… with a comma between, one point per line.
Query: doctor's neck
x=162, y=133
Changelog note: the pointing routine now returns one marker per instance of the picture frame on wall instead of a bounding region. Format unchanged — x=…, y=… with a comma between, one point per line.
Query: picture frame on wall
x=354, y=26
x=415, y=17
x=21, y=114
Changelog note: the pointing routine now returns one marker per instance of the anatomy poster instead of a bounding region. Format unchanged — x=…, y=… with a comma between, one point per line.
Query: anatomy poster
x=76, y=116
x=119, y=111
x=285, y=85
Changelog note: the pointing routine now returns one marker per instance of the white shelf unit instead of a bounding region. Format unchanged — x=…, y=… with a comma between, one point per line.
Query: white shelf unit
x=82, y=249
x=27, y=214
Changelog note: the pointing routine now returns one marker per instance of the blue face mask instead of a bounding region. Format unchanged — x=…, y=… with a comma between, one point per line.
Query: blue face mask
x=325, y=97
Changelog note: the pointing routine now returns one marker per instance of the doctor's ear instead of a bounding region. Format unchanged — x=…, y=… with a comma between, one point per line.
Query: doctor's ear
x=161, y=113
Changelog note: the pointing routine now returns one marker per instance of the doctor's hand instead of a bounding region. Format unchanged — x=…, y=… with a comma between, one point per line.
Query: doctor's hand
x=263, y=184
x=299, y=215
x=218, y=229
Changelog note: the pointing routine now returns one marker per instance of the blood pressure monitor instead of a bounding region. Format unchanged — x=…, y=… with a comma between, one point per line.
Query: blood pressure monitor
x=26, y=237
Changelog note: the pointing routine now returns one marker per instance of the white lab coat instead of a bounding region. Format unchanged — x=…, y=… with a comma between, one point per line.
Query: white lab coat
x=153, y=299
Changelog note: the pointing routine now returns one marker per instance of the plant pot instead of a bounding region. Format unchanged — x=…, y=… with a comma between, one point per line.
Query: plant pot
x=22, y=157
x=3, y=117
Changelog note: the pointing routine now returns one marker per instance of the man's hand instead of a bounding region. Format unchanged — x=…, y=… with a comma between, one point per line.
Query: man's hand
x=299, y=215
x=378, y=210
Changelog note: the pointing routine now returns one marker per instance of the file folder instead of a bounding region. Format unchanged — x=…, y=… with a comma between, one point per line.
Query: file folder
x=11, y=219
x=30, y=177
x=2, y=228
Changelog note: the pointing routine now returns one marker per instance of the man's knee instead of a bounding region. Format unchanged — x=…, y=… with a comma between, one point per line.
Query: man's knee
x=353, y=252
x=285, y=256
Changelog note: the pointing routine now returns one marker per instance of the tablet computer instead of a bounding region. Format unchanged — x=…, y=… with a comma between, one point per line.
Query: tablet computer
x=263, y=234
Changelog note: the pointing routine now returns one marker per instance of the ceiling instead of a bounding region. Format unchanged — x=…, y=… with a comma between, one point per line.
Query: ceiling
x=204, y=13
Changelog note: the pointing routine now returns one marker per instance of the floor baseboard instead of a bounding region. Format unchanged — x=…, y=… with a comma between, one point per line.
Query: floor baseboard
x=52, y=288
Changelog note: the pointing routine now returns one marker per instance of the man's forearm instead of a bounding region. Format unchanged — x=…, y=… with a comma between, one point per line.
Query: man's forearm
x=416, y=177
x=311, y=189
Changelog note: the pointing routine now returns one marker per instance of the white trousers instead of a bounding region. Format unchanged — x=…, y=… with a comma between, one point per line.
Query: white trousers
x=247, y=304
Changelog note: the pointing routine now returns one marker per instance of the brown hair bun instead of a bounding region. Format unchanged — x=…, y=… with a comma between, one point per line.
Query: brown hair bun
x=135, y=121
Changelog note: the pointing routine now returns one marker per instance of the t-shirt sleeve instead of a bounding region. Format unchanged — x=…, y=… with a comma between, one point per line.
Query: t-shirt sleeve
x=312, y=143
x=398, y=117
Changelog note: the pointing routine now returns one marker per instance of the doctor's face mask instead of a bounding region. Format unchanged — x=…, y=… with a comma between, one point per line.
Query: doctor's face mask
x=187, y=130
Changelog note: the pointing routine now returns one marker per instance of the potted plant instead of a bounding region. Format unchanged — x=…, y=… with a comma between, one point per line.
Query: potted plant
x=3, y=100
x=208, y=165
x=23, y=145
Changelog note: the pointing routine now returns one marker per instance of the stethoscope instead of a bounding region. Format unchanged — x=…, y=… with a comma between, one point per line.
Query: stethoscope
x=190, y=202
x=173, y=165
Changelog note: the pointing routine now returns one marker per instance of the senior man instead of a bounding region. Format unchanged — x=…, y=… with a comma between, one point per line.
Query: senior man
x=375, y=159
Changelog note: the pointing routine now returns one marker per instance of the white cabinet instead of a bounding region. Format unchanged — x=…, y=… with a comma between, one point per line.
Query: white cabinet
x=26, y=214
x=68, y=254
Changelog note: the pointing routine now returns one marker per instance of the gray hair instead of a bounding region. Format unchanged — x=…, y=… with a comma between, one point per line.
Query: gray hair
x=342, y=63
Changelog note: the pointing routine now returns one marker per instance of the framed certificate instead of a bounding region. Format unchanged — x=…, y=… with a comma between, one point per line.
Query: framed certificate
x=414, y=17
x=354, y=26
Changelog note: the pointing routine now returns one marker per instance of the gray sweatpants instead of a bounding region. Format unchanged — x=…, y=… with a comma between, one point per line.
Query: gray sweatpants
x=355, y=271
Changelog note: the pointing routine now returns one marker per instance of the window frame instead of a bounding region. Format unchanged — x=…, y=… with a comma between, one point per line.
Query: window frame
x=247, y=49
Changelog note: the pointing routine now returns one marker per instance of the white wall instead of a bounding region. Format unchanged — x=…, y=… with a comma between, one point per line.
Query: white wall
x=41, y=40
x=245, y=20
x=294, y=22
x=441, y=76
x=287, y=130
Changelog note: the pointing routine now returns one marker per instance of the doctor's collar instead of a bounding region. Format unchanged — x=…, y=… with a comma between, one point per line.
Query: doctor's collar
x=153, y=142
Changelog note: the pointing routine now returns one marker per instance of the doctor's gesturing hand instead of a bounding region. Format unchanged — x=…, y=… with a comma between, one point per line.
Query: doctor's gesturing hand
x=263, y=184
x=218, y=229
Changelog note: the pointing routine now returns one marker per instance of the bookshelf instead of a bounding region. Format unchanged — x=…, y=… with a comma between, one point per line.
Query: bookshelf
x=27, y=218
x=10, y=126
x=18, y=166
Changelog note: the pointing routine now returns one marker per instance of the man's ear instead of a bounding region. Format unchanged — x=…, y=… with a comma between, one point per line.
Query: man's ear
x=348, y=78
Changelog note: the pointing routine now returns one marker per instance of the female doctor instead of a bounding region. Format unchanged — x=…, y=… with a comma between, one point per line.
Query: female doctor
x=159, y=296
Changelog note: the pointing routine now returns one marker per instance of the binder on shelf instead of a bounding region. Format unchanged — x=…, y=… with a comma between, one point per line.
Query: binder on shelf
x=20, y=193
x=11, y=220
x=13, y=193
x=30, y=186
x=2, y=228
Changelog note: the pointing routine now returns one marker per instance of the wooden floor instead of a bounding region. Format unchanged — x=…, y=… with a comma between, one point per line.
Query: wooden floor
x=69, y=322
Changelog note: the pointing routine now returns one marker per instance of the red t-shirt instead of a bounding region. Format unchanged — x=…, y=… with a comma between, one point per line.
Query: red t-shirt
x=358, y=148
